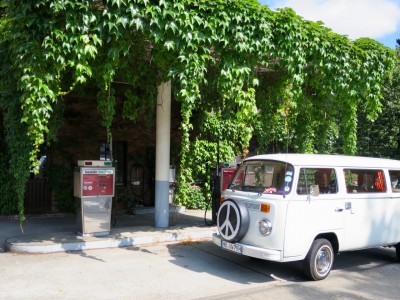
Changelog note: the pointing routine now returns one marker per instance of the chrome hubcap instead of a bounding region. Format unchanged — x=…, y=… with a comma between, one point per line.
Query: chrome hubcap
x=323, y=260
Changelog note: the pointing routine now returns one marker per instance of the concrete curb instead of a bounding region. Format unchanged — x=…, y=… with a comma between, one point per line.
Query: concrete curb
x=67, y=241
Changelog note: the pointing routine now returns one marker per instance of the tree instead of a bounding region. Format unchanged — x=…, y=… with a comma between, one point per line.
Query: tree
x=235, y=65
x=381, y=138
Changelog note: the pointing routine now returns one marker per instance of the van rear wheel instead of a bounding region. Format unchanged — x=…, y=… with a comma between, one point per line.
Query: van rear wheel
x=319, y=260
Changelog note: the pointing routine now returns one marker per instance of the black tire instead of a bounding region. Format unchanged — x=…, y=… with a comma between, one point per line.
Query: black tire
x=232, y=220
x=319, y=260
x=398, y=251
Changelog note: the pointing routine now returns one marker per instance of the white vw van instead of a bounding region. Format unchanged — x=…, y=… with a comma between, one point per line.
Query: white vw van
x=288, y=207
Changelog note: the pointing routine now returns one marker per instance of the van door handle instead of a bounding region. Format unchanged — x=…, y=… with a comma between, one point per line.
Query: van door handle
x=338, y=209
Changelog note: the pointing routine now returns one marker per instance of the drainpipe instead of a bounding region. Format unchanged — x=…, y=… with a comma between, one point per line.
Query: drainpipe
x=163, y=135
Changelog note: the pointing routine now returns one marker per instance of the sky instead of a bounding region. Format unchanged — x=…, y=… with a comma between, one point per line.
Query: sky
x=375, y=19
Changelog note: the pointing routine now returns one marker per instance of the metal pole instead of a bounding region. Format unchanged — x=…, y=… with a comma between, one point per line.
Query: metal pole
x=111, y=150
x=216, y=195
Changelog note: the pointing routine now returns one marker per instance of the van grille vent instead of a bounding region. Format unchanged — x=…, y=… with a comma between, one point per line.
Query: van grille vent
x=252, y=206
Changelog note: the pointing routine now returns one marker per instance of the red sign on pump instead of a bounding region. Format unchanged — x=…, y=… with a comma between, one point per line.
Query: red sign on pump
x=98, y=182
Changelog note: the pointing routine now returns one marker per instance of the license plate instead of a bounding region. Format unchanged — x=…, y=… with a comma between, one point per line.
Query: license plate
x=231, y=247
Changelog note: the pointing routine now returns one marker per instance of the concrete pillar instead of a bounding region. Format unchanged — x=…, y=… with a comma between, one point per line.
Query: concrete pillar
x=163, y=136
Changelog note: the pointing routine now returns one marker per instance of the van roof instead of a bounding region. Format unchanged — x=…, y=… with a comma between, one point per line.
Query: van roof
x=329, y=160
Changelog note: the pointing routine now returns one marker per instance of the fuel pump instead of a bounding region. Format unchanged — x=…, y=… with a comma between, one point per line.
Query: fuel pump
x=227, y=173
x=222, y=176
x=94, y=187
x=215, y=195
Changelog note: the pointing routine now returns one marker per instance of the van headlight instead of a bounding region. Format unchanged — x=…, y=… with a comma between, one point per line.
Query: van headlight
x=265, y=227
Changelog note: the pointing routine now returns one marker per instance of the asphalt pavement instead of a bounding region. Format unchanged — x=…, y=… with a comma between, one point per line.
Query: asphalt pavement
x=58, y=233
x=149, y=267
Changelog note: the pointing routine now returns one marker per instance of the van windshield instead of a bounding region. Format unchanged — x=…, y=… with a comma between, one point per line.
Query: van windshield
x=263, y=176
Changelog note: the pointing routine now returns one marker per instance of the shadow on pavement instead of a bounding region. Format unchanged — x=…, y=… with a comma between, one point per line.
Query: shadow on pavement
x=227, y=265
x=205, y=257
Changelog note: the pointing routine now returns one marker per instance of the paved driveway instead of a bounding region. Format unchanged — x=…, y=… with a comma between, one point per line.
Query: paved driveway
x=191, y=271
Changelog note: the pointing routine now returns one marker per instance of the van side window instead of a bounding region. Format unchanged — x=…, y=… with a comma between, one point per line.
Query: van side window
x=323, y=177
x=364, y=181
x=395, y=180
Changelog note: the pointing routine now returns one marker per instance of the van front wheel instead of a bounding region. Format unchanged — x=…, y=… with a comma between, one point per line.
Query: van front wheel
x=319, y=260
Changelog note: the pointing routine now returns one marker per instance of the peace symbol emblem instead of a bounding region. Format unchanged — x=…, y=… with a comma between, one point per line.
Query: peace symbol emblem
x=233, y=220
x=228, y=220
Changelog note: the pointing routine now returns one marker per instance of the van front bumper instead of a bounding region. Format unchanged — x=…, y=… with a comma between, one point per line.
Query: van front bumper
x=247, y=250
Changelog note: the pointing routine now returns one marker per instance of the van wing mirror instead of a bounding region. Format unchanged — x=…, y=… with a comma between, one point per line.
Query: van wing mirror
x=314, y=190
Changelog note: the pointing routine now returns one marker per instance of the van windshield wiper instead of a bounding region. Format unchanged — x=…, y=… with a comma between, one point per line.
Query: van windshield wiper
x=246, y=188
x=232, y=187
x=250, y=188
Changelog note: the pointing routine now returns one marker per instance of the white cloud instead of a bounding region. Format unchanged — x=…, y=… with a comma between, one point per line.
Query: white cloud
x=355, y=18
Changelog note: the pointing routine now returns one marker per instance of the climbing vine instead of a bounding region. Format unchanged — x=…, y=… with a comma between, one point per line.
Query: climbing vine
x=239, y=70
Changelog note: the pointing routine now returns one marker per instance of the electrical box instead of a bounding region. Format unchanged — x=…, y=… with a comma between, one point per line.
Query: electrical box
x=94, y=188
